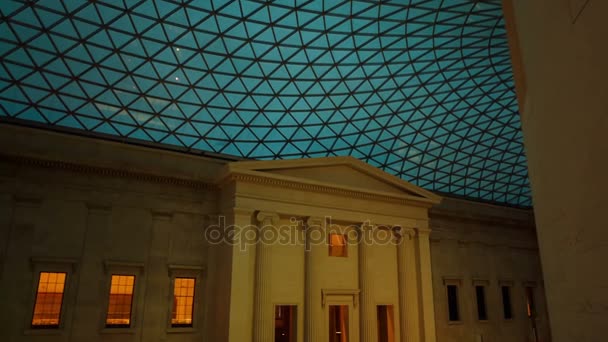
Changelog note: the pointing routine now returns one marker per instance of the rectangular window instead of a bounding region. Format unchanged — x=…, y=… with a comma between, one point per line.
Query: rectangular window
x=338, y=323
x=121, y=299
x=183, y=302
x=49, y=297
x=453, y=311
x=285, y=323
x=386, y=328
x=337, y=245
x=506, y=302
x=530, y=306
x=480, y=294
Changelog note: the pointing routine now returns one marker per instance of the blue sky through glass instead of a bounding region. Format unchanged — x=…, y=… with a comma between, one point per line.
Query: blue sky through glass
x=421, y=89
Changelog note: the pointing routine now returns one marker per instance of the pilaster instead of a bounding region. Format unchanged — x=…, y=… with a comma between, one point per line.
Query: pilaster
x=237, y=237
x=408, y=287
x=315, y=231
x=155, y=321
x=368, y=324
x=263, y=319
x=426, y=281
x=86, y=314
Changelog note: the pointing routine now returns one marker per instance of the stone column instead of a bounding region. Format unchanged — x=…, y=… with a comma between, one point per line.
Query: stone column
x=408, y=288
x=157, y=289
x=263, y=321
x=314, y=234
x=366, y=285
x=426, y=282
x=234, y=263
x=94, y=243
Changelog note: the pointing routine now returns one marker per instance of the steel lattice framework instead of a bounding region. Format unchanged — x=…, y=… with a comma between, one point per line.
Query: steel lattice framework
x=419, y=88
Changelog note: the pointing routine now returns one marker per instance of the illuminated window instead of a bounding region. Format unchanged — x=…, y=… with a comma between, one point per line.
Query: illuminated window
x=285, y=323
x=337, y=245
x=480, y=295
x=49, y=297
x=506, y=302
x=453, y=310
x=530, y=306
x=386, y=328
x=183, y=302
x=338, y=323
x=121, y=298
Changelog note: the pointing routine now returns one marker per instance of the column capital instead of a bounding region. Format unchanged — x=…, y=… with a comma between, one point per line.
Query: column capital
x=405, y=232
x=314, y=221
x=267, y=218
x=423, y=232
x=367, y=225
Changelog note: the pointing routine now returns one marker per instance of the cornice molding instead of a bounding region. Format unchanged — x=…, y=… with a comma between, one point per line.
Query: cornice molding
x=105, y=171
x=248, y=178
x=436, y=213
x=462, y=243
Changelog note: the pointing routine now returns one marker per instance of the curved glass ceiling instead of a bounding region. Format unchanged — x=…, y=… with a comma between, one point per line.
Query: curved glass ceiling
x=421, y=89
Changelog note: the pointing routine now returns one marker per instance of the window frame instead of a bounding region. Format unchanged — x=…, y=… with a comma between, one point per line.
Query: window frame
x=511, y=286
x=350, y=318
x=174, y=303
x=348, y=297
x=109, y=294
x=197, y=272
x=38, y=293
x=483, y=282
x=534, y=289
x=458, y=283
x=128, y=269
x=297, y=318
x=52, y=265
x=329, y=245
x=478, y=305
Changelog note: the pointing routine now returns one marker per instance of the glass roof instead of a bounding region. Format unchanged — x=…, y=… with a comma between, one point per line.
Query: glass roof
x=422, y=89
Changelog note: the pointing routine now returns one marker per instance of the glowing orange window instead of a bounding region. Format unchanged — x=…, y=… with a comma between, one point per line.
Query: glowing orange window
x=121, y=298
x=337, y=245
x=530, y=306
x=49, y=296
x=183, y=302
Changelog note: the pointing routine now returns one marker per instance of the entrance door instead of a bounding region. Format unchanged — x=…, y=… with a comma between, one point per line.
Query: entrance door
x=342, y=322
x=339, y=327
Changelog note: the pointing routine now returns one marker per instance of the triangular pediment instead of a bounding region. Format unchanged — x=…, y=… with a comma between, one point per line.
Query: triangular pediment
x=344, y=172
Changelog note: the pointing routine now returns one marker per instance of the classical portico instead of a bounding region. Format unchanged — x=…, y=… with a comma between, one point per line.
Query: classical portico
x=287, y=214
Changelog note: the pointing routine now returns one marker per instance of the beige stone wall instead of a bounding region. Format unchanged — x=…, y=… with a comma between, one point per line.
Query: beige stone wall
x=106, y=206
x=473, y=243
x=565, y=121
x=92, y=225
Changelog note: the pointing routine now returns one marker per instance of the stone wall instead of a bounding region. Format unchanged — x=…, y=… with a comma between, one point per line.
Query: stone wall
x=565, y=120
x=107, y=213
x=92, y=208
x=479, y=244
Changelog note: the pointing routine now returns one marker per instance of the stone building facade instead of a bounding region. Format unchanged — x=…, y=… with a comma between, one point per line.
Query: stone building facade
x=327, y=249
